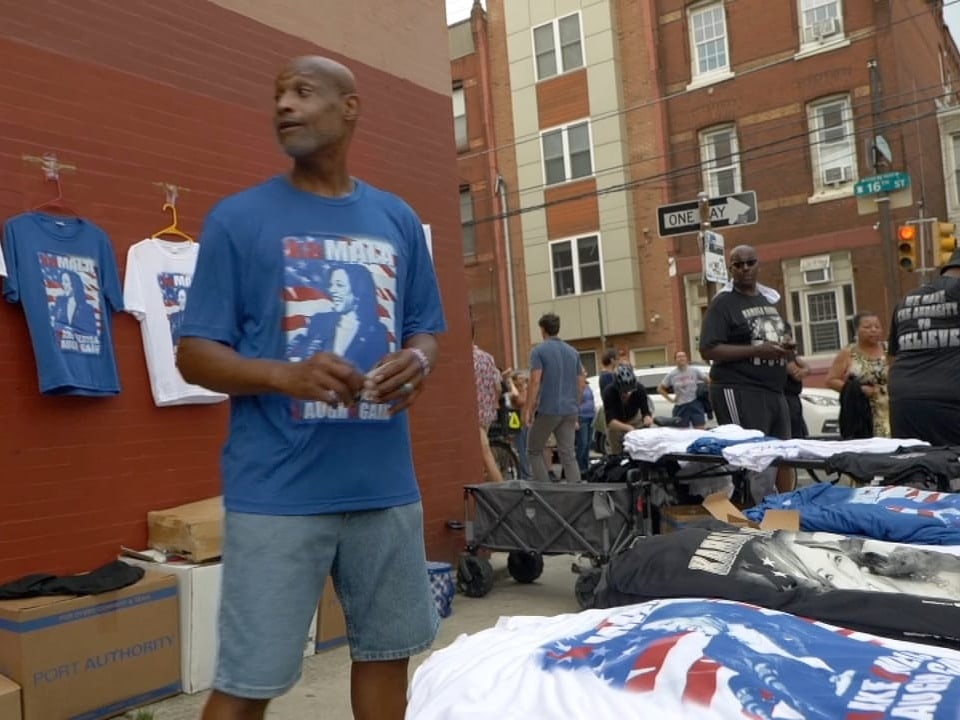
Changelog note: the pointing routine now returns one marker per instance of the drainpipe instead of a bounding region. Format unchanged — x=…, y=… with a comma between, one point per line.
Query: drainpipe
x=504, y=210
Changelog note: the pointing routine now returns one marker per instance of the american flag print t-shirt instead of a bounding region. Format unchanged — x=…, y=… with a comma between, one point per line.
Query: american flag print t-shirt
x=63, y=272
x=73, y=300
x=340, y=294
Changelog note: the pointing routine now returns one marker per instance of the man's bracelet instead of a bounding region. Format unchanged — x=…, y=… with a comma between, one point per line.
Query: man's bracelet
x=422, y=359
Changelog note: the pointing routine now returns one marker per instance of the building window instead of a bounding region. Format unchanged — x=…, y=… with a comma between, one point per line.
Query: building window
x=563, y=33
x=820, y=21
x=460, y=118
x=708, y=40
x=822, y=318
x=575, y=265
x=720, y=159
x=567, y=154
x=832, y=144
x=588, y=358
x=467, y=228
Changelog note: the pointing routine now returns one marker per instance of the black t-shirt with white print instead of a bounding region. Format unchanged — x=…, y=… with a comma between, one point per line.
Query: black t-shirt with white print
x=886, y=589
x=737, y=319
x=925, y=342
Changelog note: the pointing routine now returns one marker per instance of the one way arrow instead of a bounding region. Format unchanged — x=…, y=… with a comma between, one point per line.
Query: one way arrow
x=735, y=210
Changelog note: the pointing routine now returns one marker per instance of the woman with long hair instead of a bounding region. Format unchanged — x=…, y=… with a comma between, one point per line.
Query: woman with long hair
x=864, y=364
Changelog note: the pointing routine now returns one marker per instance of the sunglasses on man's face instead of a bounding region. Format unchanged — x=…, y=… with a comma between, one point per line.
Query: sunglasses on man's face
x=740, y=264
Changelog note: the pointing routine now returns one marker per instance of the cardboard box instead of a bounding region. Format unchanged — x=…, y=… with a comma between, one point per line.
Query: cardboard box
x=199, y=592
x=9, y=699
x=721, y=508
x=194, y=531
x=91, y=657
x=676, y=517
x=331, y=624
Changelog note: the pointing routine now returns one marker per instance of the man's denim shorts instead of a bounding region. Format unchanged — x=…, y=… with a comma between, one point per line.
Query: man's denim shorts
x=274, y=567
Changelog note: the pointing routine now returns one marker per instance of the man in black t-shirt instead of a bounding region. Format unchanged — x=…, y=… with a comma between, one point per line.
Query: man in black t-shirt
x=743, y=337
x=925, y=347
x=625, y=407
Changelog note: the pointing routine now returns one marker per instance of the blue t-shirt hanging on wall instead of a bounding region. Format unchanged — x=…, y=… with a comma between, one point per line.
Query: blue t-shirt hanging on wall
x=63, y=272
x=283, y=274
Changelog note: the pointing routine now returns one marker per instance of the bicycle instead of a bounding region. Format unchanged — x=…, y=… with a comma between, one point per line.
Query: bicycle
x=502, y=448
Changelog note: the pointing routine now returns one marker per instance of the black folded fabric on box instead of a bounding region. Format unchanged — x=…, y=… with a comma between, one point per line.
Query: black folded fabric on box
x=933, y=468
x=886, y=589
x=112, y=576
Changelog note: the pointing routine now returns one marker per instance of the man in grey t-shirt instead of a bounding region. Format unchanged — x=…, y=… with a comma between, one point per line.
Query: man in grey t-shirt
x=682, y=381
x=557, y=380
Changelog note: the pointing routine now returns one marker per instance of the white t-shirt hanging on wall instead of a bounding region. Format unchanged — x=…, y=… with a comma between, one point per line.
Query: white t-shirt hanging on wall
x=3, y=265
x=159, y=273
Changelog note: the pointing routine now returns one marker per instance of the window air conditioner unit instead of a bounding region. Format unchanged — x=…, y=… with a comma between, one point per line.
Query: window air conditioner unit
x=817, y=276
x=837, y=175
x=821, y=30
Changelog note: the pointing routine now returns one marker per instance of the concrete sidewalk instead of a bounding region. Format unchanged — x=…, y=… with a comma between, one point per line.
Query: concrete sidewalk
x=324, y=691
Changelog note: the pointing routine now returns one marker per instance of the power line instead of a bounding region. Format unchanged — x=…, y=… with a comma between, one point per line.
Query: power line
x=676, y=173
x=663, y=98
x=766, y=128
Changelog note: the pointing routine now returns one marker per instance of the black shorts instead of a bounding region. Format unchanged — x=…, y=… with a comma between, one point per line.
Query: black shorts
x=936, y=421
x=798, y=426
x=752, y=408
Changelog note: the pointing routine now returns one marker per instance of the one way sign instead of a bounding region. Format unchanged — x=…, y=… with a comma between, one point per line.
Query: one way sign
x=725, y=211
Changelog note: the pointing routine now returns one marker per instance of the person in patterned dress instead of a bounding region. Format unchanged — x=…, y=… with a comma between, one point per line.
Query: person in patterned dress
x=487, y=376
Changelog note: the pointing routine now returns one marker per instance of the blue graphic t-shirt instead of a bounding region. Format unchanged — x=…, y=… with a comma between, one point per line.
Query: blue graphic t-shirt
x=898, y=514
x=724, y=659
x=282, y=275
x=62, y=270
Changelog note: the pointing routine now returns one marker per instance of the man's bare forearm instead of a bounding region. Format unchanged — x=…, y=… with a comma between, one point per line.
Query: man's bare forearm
x=727, y=352
x=222, y=369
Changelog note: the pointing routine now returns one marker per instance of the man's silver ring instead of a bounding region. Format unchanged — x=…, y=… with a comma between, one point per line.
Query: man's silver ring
x=406, y=388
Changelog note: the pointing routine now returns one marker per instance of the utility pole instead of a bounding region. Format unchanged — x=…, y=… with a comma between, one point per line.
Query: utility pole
x=883, y=199
x=704, y=201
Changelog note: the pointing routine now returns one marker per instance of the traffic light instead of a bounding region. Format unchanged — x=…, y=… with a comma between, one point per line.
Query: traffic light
x=907, y=247
x=946, y=242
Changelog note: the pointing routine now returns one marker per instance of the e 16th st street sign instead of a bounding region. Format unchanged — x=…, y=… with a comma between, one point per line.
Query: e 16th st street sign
x=725, y=211
x=888, y=182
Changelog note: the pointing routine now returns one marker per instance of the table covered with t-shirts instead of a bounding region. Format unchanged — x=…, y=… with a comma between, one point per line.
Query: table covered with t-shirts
x=684, y=658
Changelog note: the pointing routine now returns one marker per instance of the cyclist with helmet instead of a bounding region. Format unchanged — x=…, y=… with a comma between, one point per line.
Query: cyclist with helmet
x=625, y=406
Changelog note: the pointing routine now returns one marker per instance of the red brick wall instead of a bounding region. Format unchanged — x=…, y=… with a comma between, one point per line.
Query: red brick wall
x=502, y=95
x=180, y=92
x=483, y=287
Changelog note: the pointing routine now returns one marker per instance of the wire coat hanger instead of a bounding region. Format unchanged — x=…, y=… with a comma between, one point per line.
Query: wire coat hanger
x=51, y=170
x=172, y=228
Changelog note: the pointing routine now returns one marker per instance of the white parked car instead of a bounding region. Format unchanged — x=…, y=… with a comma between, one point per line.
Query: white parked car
x=821, y=407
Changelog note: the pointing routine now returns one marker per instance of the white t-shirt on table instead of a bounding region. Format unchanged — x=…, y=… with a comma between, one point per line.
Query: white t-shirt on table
x=157, y=282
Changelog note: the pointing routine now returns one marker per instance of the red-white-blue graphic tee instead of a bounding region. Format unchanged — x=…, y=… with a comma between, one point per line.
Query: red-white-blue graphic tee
x=282, y=275
x=63, y=272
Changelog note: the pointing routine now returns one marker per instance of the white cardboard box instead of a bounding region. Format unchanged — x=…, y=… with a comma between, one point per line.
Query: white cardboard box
x=199, y=597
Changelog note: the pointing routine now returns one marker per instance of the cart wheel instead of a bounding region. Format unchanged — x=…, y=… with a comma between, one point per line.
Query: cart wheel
x=524, y=566
x=474, y=576
x=586, y=587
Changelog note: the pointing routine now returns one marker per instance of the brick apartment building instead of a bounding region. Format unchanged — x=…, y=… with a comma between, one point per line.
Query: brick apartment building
x=487, y=255
x=605, y=109
x=778, y=98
